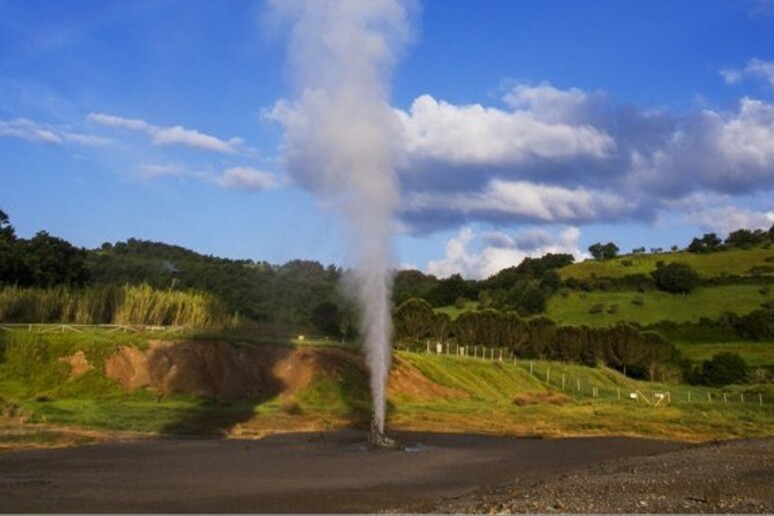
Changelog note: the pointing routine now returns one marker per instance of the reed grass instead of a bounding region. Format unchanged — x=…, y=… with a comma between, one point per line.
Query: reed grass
x=110, y=304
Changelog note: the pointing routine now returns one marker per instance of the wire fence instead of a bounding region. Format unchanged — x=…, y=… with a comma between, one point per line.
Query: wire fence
x=567, y=379
x=82, y=328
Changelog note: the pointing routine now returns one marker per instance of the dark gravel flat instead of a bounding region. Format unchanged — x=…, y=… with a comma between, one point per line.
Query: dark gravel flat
x=332, y=472
x=723, y=477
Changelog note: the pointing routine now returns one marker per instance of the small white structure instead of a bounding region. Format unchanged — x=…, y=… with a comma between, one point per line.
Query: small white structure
x=439, y=348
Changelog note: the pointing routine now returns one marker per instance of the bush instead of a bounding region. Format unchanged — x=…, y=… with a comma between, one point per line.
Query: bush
x=597, y=308
x=723, y=369
x=675, y=278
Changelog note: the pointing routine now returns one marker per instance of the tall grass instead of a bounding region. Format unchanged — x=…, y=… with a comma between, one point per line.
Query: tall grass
x=109, y=304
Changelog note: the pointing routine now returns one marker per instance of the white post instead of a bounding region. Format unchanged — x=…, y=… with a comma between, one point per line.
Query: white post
x=562, y=381
x=548, y=375
x=578, y=384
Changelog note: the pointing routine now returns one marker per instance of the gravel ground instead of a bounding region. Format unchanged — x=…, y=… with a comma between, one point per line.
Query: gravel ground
x=720, y=477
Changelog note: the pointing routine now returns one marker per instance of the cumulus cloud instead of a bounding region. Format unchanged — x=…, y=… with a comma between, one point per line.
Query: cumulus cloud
x=480, y=256
x=246, y=178
x=725, y=219
x=567, y=156
x=477, y=135
x=175, y=135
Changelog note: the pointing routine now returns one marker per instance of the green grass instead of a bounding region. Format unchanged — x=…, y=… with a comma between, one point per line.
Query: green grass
x=656, y=306
x=756, y=354
x=732, y=262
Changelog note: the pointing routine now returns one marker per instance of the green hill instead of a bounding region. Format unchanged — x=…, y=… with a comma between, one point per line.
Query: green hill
x=757, y=261
x=601, y=308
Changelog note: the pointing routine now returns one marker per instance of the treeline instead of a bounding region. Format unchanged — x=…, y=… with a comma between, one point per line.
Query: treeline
x=300, y=295
x=644, y=354
x=524, y=288
x=109, y=304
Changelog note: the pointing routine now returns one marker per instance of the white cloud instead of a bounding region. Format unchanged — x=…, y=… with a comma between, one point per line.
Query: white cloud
x=522, y=200
x=151, y=171
x=246, y=178
x=757, y=68
x=34, y=132
x=88, y=140
x=477, y=135
x=726, y=219
x=176, y=135
x=24, y=129
x=500, y=250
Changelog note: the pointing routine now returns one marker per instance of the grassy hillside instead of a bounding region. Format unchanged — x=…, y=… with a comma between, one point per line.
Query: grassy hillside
x=427, y=392
x=741, y=262
x=653, y=306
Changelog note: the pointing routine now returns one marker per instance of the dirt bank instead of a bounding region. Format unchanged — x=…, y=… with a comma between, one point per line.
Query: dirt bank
x=331, y=472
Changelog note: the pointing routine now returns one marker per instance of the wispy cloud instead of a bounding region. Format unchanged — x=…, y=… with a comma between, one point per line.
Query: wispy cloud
x=34, y=132
x=246, y=178
x=174, y=135
x=27, y=130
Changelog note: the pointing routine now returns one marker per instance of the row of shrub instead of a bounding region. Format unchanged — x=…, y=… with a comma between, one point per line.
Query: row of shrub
x=109, y=304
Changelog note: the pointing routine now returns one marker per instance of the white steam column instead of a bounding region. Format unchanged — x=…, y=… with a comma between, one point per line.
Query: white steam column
x=340, y=142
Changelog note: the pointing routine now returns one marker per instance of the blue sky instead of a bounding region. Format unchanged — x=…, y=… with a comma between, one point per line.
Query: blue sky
x=527, y=127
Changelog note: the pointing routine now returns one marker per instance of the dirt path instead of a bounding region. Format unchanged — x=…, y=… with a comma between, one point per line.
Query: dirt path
x=331, y=472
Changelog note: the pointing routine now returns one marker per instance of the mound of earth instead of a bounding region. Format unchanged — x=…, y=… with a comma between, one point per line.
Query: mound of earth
x=222, y=370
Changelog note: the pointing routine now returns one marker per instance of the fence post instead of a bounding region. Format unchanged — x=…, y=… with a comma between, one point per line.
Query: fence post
x=578, y=384
x=741, y=397
x=689, y=396
x=709, y=396
x=725, y=398
x=760, y=399
x=531, y=367
x=618, y=390
x=562, y=381
x=548, y=375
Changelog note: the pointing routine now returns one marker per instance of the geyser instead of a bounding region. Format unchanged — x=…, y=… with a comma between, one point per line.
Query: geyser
x=340, y=142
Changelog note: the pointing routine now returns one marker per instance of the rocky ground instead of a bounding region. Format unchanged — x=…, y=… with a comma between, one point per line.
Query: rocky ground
x=722, y=477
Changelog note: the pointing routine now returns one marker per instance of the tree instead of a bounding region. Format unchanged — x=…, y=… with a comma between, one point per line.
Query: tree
x=675, y=278
x=54, y=261
x=723, y=369
x=414, y=319
x=706, y=244
x=12, y=267
x=603, y=251
x=744, y=238
x=327, y=318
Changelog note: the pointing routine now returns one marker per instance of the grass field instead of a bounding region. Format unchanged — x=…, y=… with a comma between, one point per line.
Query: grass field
x=756, y=354
x=741, y=262
x=655, y=306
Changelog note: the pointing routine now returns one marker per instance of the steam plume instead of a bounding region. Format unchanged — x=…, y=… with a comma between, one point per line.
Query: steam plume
x=340, y=138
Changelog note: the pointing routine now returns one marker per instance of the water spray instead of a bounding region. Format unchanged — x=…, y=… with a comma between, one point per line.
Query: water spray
x=340, y=138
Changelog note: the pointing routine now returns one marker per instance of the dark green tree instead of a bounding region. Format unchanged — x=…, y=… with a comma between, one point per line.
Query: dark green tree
x=675, y=278
x=723, y=369
x=53, y=261
x=414, y=319
x=327, y=318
